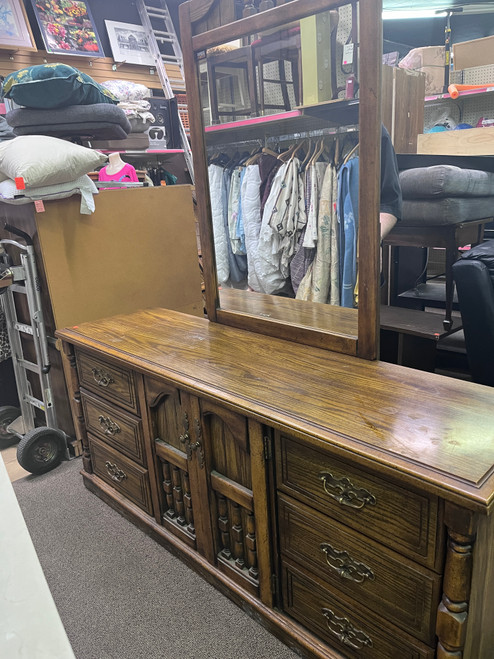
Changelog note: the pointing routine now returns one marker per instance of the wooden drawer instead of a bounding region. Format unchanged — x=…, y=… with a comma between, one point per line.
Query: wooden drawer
x=114, y=427
x=108, y=381
x=400, y=518
x=337, y=622
x=403, y=592
x=128, y=478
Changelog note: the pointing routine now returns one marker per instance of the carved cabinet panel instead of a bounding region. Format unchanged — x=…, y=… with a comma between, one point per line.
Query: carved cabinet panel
x=205, y=480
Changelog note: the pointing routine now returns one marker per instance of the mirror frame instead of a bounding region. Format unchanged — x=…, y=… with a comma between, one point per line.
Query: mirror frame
x=196, y=39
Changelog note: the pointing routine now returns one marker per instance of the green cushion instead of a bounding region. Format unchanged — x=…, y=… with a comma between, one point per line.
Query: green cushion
x=46, y=86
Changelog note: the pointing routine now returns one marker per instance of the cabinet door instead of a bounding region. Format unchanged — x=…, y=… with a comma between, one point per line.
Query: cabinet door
x=170, y=427
x=233, y=462
x=213, y=483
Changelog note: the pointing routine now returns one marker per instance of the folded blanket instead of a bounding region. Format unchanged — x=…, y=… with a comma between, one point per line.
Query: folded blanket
x=82, y=185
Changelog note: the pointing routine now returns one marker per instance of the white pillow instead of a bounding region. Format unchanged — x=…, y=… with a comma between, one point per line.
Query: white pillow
x=125, y=90
x=42, y=160
x=83, y=186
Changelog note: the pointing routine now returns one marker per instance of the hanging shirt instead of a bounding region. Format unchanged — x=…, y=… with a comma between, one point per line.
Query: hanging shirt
x=251, y=215
x=125, y=175
x=282, y=221
x=348, y=188
x=215, y=174
x=316, y=177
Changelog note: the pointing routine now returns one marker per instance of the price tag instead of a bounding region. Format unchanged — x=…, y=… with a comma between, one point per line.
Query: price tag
x=19, y=183
x=39, y=206
x=348, y=53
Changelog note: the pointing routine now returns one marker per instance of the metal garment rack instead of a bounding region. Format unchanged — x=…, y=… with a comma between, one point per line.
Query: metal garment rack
x=151, y=15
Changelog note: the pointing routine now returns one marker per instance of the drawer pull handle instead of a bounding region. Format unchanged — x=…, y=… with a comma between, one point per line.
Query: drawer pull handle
x=108, y=426
x=114, y=472
x=101, y=378
x=347, y=567
x=343, y=629
x=344, y=491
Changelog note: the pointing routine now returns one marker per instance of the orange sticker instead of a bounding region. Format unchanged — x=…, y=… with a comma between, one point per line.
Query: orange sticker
x=19, y=183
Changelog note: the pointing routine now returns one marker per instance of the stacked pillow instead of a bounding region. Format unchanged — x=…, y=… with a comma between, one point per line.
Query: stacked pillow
x=59, y=100
x=133, y=101
x=40, y=167
x=48, y=86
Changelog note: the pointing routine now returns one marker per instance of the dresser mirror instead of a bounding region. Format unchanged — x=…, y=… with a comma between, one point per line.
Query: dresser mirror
x=286, y=98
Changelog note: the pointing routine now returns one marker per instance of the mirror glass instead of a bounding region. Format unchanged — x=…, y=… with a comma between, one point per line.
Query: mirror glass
x=281, y=124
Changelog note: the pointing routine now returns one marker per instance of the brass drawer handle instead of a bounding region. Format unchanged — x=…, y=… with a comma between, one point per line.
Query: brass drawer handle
x=114, y=472
x=343, y=629
x=344, y=491
x=347, y=567
x=101, y=378
x=108, y=426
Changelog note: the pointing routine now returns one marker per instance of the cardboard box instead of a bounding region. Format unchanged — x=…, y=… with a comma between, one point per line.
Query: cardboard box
x=477, y=52
x=429, y=60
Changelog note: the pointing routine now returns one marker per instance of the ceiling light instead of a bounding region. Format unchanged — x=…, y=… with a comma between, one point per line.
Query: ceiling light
x=419, y=13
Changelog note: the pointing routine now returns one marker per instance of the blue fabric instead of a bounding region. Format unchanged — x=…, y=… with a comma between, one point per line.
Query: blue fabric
x=348, y=188
x=238, y=263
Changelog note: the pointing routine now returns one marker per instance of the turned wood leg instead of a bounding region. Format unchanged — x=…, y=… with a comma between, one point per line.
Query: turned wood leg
x=452, y=616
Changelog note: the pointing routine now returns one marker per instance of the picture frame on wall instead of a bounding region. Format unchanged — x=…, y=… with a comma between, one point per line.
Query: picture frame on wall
x=67, y=27
x=129, y=43
x=15, y=31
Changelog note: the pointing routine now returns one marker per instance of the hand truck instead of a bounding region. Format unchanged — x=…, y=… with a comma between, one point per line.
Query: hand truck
x=41, y=447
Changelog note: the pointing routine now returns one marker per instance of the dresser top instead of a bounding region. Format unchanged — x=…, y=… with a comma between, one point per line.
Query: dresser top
x=430, y=429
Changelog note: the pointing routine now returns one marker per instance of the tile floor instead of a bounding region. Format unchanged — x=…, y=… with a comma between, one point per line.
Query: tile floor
x=14, y=469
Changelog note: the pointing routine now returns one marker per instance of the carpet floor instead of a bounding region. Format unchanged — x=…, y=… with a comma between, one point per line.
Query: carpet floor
x=121, y=595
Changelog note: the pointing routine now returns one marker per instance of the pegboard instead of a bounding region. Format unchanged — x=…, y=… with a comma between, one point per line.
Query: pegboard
x=342, y=37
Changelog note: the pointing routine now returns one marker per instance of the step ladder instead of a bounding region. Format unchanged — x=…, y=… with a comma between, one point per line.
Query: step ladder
x=159, y=28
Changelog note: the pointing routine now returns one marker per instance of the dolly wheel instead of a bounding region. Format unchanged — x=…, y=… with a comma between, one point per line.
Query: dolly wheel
x=41, y=450
x=8, y=414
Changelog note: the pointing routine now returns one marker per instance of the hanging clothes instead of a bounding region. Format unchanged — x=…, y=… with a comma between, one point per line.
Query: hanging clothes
x=348, y=186
x=283, y=219
x=268, y=168
x=320, y=284
x=251, y=215
x=220, y=237
x=315, y=178
x=237, y=262
x=233, y=209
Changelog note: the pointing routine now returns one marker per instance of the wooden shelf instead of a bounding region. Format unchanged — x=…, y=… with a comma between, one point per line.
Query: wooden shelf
x=322, y=118
x=337, y=112
x=140, y=152
x=469, y=93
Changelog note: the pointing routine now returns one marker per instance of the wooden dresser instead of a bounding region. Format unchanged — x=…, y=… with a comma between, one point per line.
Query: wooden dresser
x=344, y=504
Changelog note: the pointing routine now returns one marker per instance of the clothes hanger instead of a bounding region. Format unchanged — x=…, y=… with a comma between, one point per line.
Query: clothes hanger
x=350, y=154
x=270, y=152
x=308, y=155
x=319, y=149
x=297, y=149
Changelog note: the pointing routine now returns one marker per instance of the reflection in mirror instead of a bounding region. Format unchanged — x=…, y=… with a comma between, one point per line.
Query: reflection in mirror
x=283, y=170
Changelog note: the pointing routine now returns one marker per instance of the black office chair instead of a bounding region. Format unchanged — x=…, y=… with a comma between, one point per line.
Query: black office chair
x=474, y=277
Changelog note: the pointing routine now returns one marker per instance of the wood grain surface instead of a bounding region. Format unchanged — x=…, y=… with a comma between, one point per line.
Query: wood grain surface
x=432, y=428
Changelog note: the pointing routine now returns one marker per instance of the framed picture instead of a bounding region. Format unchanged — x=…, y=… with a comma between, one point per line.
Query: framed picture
x=15, y=31
x=67, y=27
x=129, y=43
